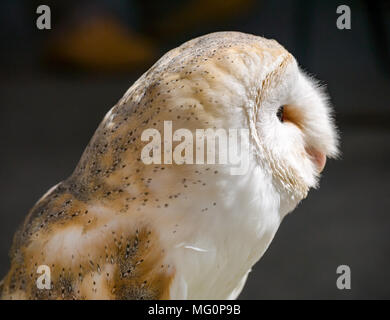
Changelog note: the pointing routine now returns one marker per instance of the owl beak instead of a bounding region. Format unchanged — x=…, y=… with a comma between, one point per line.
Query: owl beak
x=318, y=157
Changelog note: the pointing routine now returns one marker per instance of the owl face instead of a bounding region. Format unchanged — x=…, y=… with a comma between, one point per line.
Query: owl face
x=295, y=128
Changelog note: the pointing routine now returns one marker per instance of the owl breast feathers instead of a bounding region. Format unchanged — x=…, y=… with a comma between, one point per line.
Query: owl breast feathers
x=120, y=228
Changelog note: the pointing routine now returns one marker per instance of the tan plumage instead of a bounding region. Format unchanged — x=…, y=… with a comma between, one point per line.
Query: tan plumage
x=120, y=229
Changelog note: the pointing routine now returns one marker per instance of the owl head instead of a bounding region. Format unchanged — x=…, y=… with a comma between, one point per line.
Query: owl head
x=235, y=80
x=248, y=81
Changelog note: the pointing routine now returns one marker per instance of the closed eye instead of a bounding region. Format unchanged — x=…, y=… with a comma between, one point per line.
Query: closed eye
x=280, y=114
x=291, y=114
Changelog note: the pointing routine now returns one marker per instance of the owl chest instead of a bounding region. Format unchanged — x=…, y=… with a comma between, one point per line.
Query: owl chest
x=221, y=236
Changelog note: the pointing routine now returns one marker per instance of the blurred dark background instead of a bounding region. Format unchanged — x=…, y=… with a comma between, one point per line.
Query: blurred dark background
x=56, y=86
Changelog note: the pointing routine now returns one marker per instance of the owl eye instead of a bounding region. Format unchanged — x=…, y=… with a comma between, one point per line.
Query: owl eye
x=280, y=113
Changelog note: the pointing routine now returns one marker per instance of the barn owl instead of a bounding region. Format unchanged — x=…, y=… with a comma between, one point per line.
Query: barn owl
x=118, y=228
